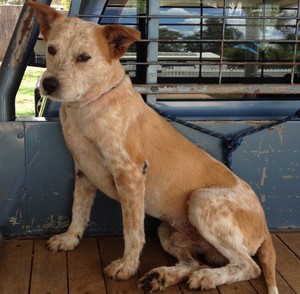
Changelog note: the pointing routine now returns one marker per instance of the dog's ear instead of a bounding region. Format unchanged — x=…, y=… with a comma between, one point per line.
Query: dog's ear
x=46, y=17
x=119, y=38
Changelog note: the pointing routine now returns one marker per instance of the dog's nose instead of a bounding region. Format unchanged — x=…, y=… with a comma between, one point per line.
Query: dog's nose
x=50, y=85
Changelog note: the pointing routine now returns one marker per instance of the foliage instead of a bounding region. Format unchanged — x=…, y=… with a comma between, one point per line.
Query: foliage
x=25, y=95
x=64, y=3
x=213, y=31
x=166, y=34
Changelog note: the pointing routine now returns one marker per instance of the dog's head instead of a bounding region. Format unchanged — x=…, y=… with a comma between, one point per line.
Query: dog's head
x=82, y=57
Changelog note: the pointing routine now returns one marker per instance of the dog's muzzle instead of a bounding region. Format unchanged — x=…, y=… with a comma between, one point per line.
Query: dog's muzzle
x=50, y=85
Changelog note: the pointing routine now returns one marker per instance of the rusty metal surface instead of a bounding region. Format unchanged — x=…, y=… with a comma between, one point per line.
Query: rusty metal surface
x=15, y=61
x=218, y=89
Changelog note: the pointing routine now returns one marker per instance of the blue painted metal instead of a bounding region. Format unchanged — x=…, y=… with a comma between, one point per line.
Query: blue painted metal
x=12, y=171
x=37, y=177
x=230, y=109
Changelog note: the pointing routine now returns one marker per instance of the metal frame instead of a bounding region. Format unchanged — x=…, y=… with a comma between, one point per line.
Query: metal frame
x=15, y=61
x=219, y=85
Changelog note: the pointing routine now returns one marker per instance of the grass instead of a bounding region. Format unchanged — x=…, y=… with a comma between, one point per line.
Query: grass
x=25, y=95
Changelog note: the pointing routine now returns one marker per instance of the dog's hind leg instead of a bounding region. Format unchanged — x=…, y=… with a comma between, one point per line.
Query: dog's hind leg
x=212, y=212
x=84, y=194
x=178, y=246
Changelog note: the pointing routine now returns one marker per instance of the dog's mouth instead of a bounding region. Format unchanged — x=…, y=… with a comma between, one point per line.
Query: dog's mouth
x=52, y=88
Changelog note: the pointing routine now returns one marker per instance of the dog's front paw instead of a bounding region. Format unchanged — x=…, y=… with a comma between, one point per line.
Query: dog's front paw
x=121, y=269
x=65, y=242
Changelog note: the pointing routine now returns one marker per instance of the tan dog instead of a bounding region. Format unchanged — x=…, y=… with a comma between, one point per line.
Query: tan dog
x=129, y=152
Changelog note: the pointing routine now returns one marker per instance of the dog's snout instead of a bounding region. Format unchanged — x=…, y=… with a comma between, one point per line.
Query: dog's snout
x=50, y=85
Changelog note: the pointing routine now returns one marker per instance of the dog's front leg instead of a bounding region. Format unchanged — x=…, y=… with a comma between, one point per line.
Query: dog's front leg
x=84, y=195
x=131, y=190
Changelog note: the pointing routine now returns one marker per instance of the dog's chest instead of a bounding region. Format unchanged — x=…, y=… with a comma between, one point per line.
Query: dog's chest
x=100, y=138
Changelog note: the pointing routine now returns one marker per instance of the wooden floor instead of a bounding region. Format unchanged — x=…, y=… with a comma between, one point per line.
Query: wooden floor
x=27, y=267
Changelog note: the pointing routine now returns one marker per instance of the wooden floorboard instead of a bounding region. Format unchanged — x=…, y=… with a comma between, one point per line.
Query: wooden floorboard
x=49, y=270
x=288, y=264
x=15, y=266
x=26, y=266
x=84, y=268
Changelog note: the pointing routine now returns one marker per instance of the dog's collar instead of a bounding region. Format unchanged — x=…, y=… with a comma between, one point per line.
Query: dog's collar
x=114, y=86
x=77, y=104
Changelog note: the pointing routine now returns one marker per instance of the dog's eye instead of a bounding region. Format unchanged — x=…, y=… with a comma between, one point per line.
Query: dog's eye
x=51, y=50
x=83, y=57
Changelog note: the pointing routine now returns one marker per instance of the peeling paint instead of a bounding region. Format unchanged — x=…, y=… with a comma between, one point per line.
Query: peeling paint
x=289, y=177
x=281, y=133
x=259, y=152
x=13, y=221
x=22, y=37
x=263, y=176
x=61, y=222
x=263, y=198
x=34, y=158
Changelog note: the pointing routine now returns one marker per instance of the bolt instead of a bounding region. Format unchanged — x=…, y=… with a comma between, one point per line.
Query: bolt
x=154, y=89
x=20, y=136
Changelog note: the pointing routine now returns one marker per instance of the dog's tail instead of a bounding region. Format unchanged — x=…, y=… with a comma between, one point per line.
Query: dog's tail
x=267, y=258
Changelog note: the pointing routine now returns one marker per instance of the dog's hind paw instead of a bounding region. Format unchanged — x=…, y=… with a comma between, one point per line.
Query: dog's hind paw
x=65, y=242
x=121, y=269
x=152, y=281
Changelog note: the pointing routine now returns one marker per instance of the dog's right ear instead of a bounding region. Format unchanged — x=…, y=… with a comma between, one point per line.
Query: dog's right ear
x=46, y=17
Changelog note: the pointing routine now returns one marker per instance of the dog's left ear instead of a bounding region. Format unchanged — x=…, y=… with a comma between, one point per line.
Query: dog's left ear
x=119, y=38
x=46, y=17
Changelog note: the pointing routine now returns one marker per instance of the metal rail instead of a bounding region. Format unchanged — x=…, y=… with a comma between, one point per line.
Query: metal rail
x=15, y=61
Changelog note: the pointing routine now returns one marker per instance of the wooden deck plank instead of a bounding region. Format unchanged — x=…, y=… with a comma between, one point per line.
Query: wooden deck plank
x=84, y=269
x=260, y=285
x=15, y=266
x=292, y=240
x=186, y=290
x=111, y=249
x=240, y=287
x=49, y=270
x=81, y=271
x=288, y=265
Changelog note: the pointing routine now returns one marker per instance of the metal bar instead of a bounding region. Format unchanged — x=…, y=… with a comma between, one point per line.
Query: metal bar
x=294, y=69
x=277, y=41
x=219, y=89
x=222, y=42
x=74, y=8
x=15, y=61
x=208, y=62
x=95, y=5
x=153, y=33
x=184, y=16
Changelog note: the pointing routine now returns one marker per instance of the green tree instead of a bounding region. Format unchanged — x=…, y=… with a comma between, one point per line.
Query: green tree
x=166, y=34
x=64, y=3
x=213, y=31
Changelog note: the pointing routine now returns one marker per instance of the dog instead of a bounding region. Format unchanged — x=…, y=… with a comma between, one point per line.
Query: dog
x=124, y=148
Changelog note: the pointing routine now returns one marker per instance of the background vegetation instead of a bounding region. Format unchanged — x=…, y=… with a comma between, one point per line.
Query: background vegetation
x=64, y=3
x=25, y=95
